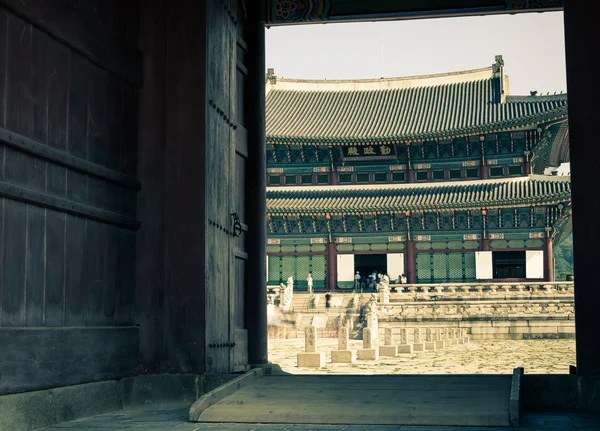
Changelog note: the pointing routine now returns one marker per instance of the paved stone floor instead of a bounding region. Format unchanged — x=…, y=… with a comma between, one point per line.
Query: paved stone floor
x=477, y=357
x=173, y=418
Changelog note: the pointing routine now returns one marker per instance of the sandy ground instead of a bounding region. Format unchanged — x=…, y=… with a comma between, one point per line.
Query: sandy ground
x=477, y=357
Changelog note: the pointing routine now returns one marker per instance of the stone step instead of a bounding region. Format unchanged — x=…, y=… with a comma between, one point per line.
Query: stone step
x=441, y=400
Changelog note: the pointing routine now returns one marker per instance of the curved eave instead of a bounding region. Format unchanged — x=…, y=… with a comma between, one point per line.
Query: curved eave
x=502, y=126
x=354, y=201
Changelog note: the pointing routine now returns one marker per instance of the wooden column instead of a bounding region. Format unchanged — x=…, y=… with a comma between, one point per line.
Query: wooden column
x=581, y=28
x=333, y=178
x=485, y=244
x=410, y=266
x=256, y=278
x=548, y=260
x=331, y=265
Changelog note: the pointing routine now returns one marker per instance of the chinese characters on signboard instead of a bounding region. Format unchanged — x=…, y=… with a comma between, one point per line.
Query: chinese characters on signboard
x=359, y=151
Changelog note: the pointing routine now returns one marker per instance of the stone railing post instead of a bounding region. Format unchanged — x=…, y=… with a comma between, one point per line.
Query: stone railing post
x=311, y=357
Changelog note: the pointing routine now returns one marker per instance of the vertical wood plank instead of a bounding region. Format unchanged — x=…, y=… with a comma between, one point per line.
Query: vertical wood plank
x=97, y=115
x=13, y=289
x=55, y=268
x=95, y=271
x=78, y=123
x=126, y=274
x=3, y=65
x=58, y=103
x=20, y=167
x=3, y=77
x=112, y=279
x=75, y=288
x=128, y=162
x=35, y=274
x=114, y=122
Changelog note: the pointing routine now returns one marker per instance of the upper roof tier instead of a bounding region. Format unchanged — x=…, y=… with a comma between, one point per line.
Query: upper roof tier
x=402, y=109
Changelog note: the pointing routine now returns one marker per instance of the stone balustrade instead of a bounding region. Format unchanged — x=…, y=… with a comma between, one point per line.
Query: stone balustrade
x=491, y=291
x=477, y=310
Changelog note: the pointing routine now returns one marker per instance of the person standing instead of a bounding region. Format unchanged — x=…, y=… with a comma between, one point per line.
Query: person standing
x=309, y=282
x=328, y=301
x=356, y=281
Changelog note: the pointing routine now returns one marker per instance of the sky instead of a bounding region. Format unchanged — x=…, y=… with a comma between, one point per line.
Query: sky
x=531, y=44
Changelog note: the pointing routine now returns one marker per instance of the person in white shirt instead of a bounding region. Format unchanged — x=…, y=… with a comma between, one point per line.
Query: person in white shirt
x=309, y=283
x=356, y=281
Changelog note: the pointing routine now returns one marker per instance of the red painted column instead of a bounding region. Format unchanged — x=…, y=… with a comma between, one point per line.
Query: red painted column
x=333, y=178
x=331, y=265
x=410, y=267
x=485, y=244
x=548, y=260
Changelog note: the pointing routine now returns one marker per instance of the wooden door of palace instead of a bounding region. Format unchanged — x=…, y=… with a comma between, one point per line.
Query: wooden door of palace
x=226, y=153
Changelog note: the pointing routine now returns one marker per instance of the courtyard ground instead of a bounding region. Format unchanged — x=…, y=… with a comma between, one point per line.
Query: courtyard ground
x=477, y=357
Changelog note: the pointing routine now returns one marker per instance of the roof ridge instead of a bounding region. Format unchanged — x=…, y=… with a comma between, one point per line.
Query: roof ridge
x=394, y=78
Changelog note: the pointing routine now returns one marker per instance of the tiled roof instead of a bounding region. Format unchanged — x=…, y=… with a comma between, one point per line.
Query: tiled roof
x=402, y=109
x=505, y=192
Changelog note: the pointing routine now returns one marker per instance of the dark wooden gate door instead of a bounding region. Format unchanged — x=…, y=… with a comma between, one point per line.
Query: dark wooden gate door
x=239, y=253
x=226, y=153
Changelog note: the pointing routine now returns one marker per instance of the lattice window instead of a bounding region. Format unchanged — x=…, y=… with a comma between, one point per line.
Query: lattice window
x=455, y=266
x=439, y=266
x=274, y=274
x=293, y=225
x=430, y=222
x=369, y=224
x=321, y=225
x=278, y=225
x=415, y=222
x=307, y=224
x=423, y=267
x=461, y=221
x=508, y=218
x=430, y=150
x=492, y=221
x=337, y=225
x=469, y=266
x=524, y=219
x=288, y=267
x=384, y=223
x=446, y=221
x=318, y=271
x=302, y=270
x=445, y=150
x=476, y=220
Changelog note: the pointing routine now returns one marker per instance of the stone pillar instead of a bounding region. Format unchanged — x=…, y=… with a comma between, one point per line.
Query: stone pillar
x=310, y=339
x=343, y=339
x=581, y=24
x=403, y=336
x=388, y=337
x=255, y=312
x=343, y=354
x=410, y=266
x=548, y=260
x=389, y=349
x=418, y=344
x=331, y=265
x=368, y=352
x=311, y=357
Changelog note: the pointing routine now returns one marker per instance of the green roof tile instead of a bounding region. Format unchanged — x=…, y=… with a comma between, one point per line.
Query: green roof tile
x=400, y=109
x=505, y=192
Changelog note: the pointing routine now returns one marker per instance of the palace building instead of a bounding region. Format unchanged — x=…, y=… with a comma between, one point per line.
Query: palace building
x=438, y=177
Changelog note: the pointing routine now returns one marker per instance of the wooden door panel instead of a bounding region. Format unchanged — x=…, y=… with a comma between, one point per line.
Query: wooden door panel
x=219, y=194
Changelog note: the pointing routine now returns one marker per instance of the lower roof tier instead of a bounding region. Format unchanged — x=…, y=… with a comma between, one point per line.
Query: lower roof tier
x=531, y=190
